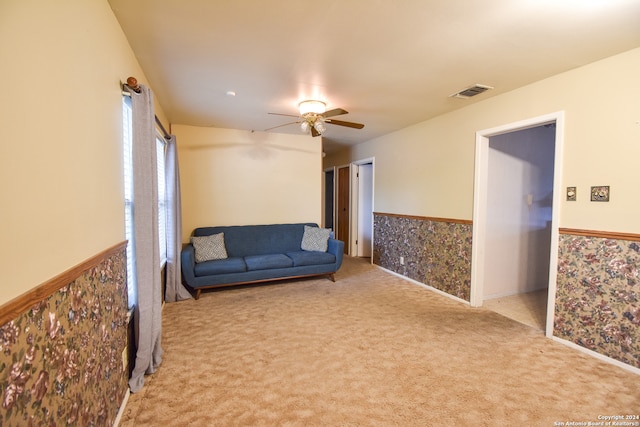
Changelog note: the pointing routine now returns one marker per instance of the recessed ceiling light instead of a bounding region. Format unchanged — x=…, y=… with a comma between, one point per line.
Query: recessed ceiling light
x=231, y=93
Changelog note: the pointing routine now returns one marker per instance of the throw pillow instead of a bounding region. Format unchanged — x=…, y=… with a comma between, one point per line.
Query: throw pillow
x=315, y=239
x=209, y=247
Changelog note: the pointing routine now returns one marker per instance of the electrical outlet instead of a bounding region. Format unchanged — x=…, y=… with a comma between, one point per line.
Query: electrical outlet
x=401, y=260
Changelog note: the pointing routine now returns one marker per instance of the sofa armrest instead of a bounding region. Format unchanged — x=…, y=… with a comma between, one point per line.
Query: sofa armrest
x=336, y=247
x=188, y=264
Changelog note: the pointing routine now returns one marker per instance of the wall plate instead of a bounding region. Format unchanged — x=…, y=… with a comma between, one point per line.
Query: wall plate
x=571, y=194
x=600, y=193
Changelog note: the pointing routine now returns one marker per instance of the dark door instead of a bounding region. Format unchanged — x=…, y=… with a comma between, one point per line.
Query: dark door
x=328, y=199
x=343, y=207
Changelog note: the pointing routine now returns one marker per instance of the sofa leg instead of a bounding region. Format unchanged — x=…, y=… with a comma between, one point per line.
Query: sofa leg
x=198, y=294
x=333, y=277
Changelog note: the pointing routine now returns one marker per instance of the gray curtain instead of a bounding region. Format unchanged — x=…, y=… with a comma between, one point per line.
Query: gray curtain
x=175, y=291
x=147, y=315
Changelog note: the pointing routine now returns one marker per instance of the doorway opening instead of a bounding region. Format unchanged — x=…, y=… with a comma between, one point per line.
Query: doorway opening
x=516, y=212
x=362, y=209
x=350, y=207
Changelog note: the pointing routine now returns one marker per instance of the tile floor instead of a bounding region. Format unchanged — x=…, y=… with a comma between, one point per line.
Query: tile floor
x=529, y=308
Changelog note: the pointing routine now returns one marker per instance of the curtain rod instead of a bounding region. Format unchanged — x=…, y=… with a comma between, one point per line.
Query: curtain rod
x=132, y=83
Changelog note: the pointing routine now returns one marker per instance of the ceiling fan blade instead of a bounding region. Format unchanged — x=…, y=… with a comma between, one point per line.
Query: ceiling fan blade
x=342, y=123
x=314, y=132
x=335, y=112
x=288, y=115
x=279, y=126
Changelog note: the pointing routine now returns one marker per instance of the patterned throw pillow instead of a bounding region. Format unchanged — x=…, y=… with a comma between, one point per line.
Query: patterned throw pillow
x=209, y=247
x=315, y=239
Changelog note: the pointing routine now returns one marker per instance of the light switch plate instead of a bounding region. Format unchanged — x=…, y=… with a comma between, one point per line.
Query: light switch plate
x=600, y=193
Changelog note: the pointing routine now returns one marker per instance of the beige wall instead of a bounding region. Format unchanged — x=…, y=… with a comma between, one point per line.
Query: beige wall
x=428, y=169
x=339, y=158
x=61, y=174
x=233, y=177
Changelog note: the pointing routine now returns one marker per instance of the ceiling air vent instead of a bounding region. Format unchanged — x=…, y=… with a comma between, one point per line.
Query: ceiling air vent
x=471, y=91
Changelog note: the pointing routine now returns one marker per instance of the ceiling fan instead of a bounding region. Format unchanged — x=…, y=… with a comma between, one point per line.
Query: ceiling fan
x=313, y=116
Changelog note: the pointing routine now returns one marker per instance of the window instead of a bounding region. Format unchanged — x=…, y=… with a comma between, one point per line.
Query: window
x=129, y=201
x=128, y=197
x=162, y=199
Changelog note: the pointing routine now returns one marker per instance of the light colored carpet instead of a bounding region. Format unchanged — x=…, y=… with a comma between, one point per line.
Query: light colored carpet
x=529, y=308
x=369, y=350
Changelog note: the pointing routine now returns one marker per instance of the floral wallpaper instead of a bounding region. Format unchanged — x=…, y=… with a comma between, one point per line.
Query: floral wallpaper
x=61, y=361
x=597, y=297
x=436, y=253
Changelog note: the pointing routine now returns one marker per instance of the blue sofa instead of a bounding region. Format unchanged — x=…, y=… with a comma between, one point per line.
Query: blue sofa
x=258, y=253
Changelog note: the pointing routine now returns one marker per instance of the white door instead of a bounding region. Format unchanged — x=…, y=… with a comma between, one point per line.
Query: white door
x=362, y=208
x=365, y=210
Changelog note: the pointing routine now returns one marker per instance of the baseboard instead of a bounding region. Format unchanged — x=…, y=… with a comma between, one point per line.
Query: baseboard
x=123, y=406
x=431, y=288
x=597, y=355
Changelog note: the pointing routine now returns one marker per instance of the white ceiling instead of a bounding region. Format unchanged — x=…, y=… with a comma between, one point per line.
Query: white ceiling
x=390, y=63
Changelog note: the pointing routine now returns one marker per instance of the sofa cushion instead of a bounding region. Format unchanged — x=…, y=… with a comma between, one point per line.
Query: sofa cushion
x=220, y=266
x=209, y=247
x=302, y=258
x=315, y=239
x=265, y=262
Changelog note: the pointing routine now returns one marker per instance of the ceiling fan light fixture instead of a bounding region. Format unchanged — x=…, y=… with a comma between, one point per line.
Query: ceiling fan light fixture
x=312, y=106
x=319, y=126
x=314, y=116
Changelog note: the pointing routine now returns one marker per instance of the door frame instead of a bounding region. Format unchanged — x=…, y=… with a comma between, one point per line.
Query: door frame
x=480, y=206
x=354, y=228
